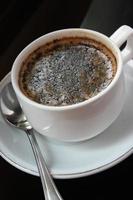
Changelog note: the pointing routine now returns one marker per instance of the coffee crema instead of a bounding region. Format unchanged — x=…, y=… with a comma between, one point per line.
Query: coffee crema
x=67, y=71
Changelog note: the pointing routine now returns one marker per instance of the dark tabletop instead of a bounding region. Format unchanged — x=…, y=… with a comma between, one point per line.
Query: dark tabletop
x=20, y=23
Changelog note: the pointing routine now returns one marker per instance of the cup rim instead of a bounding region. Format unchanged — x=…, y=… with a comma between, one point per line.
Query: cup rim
x=27, y=50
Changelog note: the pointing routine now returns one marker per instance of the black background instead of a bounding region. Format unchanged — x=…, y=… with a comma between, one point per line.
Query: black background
x=20, y=23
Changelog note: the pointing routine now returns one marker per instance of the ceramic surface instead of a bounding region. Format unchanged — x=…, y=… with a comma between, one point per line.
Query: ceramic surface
x=72, y=160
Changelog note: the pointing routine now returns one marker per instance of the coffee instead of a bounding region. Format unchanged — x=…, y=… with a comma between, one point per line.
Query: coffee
x=67, y=71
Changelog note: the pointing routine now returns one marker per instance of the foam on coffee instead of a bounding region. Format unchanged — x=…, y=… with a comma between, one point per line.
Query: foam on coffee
x=67, y=71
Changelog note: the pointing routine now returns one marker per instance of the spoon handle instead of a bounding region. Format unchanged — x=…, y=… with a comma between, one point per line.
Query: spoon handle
x=50, y=190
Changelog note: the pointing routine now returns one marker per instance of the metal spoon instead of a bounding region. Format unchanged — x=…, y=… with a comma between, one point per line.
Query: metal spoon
x=14, y=115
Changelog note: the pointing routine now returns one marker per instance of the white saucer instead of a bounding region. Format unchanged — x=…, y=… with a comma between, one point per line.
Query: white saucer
x=71, y=160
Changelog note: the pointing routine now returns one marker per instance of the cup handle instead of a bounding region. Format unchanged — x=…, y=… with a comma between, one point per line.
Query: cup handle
x=123, y=34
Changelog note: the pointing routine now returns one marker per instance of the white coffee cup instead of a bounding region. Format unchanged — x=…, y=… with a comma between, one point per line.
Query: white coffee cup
x=87, y=119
